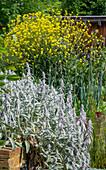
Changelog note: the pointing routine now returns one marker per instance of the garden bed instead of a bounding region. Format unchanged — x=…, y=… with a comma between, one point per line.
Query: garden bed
x=10, y=159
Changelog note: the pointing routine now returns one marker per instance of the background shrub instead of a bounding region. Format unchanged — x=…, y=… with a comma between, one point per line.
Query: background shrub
x=11, y=8
x=82, y=7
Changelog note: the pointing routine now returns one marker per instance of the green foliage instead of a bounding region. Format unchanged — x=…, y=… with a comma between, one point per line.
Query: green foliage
x=3, y=51
x=82, y=7
x=11, y=8
x=98, y=146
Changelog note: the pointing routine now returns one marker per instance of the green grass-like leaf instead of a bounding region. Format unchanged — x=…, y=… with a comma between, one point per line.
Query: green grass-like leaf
x=13, y=143
x=3, y=50
x=27, y=146
x=2, y=83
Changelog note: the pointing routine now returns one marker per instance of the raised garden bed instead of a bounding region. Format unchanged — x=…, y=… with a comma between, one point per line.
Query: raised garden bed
x=10, y=159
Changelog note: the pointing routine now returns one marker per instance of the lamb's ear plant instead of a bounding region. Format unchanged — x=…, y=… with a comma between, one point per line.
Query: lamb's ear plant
x=13, y=77
x=40, y=120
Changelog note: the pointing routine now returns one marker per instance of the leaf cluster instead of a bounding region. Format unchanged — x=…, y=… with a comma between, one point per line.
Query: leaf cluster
x=3, y=51
x=82, y=7
x=11, y=8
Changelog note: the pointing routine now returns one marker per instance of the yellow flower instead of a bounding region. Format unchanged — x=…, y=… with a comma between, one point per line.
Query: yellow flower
x=4, y=28
x=50, y=50
x=41, y=52
x=59, y=61
x=80, y=60
x=66, y=13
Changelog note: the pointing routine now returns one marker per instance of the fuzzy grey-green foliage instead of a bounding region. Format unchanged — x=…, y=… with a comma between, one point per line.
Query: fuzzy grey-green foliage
x=31, y=107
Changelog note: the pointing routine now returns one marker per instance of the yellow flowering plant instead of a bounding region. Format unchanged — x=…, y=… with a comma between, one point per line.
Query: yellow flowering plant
x=59, y=46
